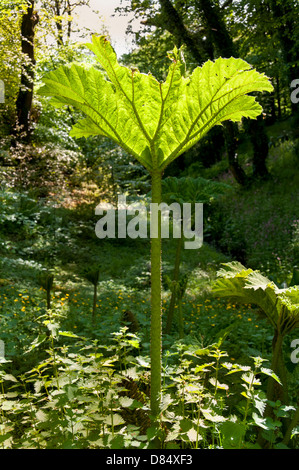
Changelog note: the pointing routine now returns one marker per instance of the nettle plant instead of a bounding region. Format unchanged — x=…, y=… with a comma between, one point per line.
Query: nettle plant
x=155, y=122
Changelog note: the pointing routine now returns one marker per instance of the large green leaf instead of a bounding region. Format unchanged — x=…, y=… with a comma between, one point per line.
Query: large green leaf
x=280, y=306
x=216, y=92
x=192, y=190
x=155, y=122
x=231, y=280
x=89, y=91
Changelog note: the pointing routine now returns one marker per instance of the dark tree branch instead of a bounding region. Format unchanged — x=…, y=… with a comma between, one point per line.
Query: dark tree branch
x=226, y=4
x=171, y=20
x=217, y=27
x=24, y=100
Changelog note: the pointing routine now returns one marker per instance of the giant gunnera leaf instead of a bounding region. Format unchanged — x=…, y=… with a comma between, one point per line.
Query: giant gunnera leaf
x=153, y=121
x=279, y=306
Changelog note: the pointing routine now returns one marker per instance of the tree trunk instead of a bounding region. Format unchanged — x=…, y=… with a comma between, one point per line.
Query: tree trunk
x=226, y=48
x=171, y=20
x=231, y=148
x=283, y=13
x=69, y=21
x=58, y=23
x=278, y=97
x=22, y=129
x=221, y=38
x=216, y=31
x=260, y=142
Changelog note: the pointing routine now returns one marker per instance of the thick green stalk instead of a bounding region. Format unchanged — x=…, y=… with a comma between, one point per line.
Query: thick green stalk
x=181, y=320
x=274, y=391
x=94, y=307
x=49, y=298
x=175, y=278
x=292, y=425
x=273, y=388
x=156, y=320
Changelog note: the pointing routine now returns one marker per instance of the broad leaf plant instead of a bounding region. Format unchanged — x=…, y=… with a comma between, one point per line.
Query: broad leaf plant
x=187, y=190
x=155, y=122
x=279, y=306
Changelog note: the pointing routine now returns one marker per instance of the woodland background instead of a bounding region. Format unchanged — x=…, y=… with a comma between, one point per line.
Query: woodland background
x=51, y=183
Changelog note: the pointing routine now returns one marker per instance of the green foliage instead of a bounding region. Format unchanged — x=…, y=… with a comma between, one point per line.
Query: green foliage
x=280, y=306
x=186, y=190
x=86, y=395
x=87, y=386
x=11, y=58
x=153, y=112
x=258, y=227
x=155, y=122
x=92, y=275
x=46, y=280
x=191, y=190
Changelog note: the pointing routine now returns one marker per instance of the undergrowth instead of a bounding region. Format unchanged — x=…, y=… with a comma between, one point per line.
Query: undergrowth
x=83, y=394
